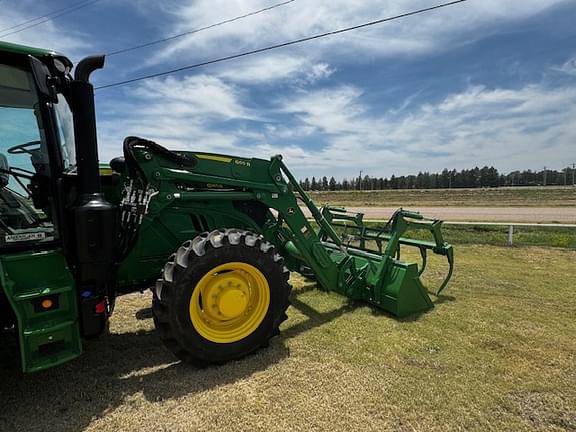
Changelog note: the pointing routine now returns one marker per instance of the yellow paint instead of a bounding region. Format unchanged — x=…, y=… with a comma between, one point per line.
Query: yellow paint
x=229, y=302
x=214, y=158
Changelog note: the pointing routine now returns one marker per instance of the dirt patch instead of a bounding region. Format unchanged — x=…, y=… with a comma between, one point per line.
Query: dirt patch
x=545, y=409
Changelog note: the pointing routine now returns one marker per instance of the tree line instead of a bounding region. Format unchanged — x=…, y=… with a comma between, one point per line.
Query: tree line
x=466, y=178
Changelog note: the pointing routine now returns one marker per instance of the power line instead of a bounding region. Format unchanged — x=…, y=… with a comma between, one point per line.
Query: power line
x=48, y=17
x=179, y=35
x=40, y=17
x=281, y=45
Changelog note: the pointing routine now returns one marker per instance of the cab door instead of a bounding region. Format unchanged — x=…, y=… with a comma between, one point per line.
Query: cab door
x=34, y=276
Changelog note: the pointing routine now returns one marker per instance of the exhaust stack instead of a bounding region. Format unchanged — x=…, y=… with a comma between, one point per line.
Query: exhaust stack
x=95, y=219
x=85, y=125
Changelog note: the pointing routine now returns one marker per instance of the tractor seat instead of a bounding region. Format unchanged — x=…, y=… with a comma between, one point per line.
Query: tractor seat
x=118, y=164
x=4, y=168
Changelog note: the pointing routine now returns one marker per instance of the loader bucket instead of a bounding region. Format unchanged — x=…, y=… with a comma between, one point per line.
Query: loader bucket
x=402, y=293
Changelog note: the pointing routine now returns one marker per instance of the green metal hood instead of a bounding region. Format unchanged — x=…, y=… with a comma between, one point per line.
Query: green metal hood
x=24, y=50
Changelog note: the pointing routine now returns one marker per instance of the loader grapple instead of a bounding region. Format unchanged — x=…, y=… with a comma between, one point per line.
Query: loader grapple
x=388, y=283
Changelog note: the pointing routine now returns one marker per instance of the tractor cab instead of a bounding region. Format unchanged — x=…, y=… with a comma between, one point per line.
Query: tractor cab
x=56, y=258
x=26, y=204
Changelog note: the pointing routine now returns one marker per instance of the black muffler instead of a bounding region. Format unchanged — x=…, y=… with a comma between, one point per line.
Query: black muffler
x=95, y=219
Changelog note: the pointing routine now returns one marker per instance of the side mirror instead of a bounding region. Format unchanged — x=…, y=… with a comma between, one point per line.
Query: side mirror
x=42, y=75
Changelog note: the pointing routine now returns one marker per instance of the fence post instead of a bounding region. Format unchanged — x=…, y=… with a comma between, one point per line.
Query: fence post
x=510, y=235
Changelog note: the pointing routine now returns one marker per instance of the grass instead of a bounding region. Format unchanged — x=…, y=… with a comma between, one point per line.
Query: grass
x=497, y=353
x=487, y=235
x=498, y=235
x=551, y=196
x=523, y=236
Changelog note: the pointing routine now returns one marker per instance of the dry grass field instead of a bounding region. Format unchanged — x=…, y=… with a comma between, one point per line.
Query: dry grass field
x=497, y=353
x=550, y=196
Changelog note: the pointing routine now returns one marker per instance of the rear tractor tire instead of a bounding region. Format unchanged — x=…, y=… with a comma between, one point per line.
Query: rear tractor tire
x=222, y=296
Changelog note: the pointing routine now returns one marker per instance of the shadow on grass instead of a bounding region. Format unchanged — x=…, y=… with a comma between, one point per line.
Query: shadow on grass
x=442, y=298
x=112, y=369
x=118, y=367
x=315, y=318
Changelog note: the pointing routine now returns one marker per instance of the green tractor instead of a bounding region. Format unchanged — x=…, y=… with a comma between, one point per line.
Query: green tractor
x=214, y=236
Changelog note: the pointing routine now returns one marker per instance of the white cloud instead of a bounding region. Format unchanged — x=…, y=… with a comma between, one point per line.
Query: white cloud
x=317, y=72
x=191, y=96
x=436, y=30
x=176, y=112
x=331, y=129
x=48, y=35
x=274, y=68
x=328, y=110
x=568, y=68
x=289, y=132
x=507, y=128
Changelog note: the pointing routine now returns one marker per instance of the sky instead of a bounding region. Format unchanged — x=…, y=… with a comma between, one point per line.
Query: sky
x=485, y=82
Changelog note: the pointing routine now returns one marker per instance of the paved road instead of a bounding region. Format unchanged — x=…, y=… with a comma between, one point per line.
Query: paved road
x=565, y=215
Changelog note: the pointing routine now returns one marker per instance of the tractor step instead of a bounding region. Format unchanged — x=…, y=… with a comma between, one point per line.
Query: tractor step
x=51, y=346
x=42, y=294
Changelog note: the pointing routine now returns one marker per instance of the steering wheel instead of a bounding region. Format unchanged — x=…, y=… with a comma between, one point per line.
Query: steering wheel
x=24, y=148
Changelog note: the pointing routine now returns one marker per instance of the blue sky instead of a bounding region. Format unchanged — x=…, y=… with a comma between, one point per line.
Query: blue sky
x=486, y=82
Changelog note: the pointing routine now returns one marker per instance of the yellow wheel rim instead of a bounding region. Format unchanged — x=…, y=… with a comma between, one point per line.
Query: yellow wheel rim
x=229, y=302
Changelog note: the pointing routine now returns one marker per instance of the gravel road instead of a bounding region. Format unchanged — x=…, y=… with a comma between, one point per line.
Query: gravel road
x=566, y=215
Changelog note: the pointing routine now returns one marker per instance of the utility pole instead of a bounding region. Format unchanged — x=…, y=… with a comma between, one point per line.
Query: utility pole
x=573, y=170
x=360, y=181
x=544, y=176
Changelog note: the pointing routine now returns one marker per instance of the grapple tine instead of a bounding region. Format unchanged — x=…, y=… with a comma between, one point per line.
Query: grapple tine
x=450, y=258
x=423, y=254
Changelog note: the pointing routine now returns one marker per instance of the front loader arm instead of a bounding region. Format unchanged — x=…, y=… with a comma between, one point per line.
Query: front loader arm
x=202, y=182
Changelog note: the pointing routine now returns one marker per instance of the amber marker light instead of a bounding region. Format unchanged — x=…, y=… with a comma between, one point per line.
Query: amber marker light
x=47, y=304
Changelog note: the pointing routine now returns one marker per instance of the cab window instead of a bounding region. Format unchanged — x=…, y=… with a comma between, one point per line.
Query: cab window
x=25, y=202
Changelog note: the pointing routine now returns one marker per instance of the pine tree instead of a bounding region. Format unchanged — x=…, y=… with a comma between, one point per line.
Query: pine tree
x=332, y=184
